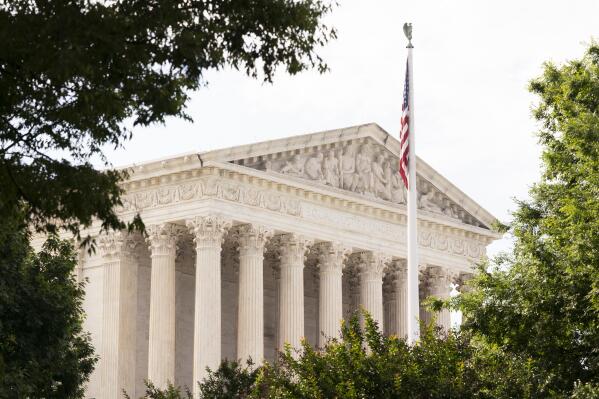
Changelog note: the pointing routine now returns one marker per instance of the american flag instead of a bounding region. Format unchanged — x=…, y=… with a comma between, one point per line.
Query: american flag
x=405, y=132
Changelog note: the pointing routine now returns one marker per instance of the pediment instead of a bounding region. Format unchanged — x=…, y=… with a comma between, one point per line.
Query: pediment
x=361, y=161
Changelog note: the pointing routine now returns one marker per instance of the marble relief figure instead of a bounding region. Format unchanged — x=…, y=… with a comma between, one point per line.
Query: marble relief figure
x=348, y=168
x=332, y=173
x=398, y=194
x=364, y=169
x=295, y=166
x=380, y=181
x=314, y=166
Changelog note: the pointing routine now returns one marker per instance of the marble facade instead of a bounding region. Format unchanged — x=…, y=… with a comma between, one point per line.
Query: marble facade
x=256, y=246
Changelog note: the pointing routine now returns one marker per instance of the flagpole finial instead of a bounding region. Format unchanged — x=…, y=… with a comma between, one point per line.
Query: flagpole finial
x=407, y=30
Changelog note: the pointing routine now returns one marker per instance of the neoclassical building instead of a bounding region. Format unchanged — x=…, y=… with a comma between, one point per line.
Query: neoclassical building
x=259, y=245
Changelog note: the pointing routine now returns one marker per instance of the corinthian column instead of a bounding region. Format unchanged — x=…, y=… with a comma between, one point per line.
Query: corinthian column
x=208, y=232
x=330, y=301
x=161, y=351
x=250, y=324
x=291, y=294
x=372, y=268
x=440, y=287
x=119, y=315
x=401, y=295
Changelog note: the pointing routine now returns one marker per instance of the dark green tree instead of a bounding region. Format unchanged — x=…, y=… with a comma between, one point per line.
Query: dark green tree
x=438, y=366
x=231, y=380
x=170, y=392
x=72, y=72
x=542, y=301
x=43, y=351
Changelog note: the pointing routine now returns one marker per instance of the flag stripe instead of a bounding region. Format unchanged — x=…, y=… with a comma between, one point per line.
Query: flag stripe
x=405, y=132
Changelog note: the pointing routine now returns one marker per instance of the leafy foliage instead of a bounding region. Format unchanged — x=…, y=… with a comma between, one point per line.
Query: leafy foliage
x=43, y=350
x=171, y=392
x=72, y=72
x=585, y=391
x=230, y=381
x=439, y=366
x=542, y=301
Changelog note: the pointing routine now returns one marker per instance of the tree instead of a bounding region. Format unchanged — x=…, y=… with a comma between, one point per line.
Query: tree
x=43, y=351
x=230, y=381
x=439, y=366
x=170, y=392
x=72, y=72
x=542, y=301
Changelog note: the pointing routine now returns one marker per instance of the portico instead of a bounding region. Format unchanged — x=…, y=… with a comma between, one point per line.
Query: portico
x=254, y=247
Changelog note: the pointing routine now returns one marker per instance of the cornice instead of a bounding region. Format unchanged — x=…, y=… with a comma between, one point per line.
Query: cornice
x=305, y=191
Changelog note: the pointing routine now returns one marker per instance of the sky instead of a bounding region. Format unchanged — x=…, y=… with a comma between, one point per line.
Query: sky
x=472, y=64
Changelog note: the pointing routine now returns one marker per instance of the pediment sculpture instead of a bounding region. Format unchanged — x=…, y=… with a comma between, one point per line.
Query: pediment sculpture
x=364, y=168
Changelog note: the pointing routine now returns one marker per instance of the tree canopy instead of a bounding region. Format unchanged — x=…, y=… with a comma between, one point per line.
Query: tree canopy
x=44, y=352
x=75, y=73
x=542, y=300
x=439, y=366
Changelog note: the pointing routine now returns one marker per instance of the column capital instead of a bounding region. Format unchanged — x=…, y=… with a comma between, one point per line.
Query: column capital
x=331, y=255
x=208, y=231
x=373, y=264
x=253, y=237
x=397, y=270
x=116, y=243
x=293, y=249
x=461, y=278
x=162, y=238
x=438, y=279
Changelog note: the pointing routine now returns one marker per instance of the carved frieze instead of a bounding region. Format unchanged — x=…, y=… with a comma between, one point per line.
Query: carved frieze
x=454, y=245
x=363, y=167
x=210, y=188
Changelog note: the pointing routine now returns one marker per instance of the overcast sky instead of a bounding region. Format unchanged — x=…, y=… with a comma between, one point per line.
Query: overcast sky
x=472, y=62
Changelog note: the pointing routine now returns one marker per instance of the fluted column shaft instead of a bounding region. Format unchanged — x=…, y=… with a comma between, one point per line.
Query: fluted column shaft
x=119, y=315
x=208, y=232
x=250, y=316
x=371, y=285
x=291, y=293
x=161, y=349
x=401, y=298
x=330, y=302
x=440, y=286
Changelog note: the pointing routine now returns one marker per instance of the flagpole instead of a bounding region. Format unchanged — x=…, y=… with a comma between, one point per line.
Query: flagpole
x=413, y=312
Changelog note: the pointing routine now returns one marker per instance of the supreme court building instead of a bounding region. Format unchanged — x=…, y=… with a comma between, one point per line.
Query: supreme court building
x=259, y=245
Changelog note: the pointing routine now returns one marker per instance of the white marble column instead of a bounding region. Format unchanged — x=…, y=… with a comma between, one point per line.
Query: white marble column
x=250, y=316
x=401, y=299
x=162, y=241
x=372, y=268
x=389, y=302
x=291, y=293
x=208, y=232
x=424, y=291
x=330, y=301
x=440, y=287
x=119, y=315
x=277, y=277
